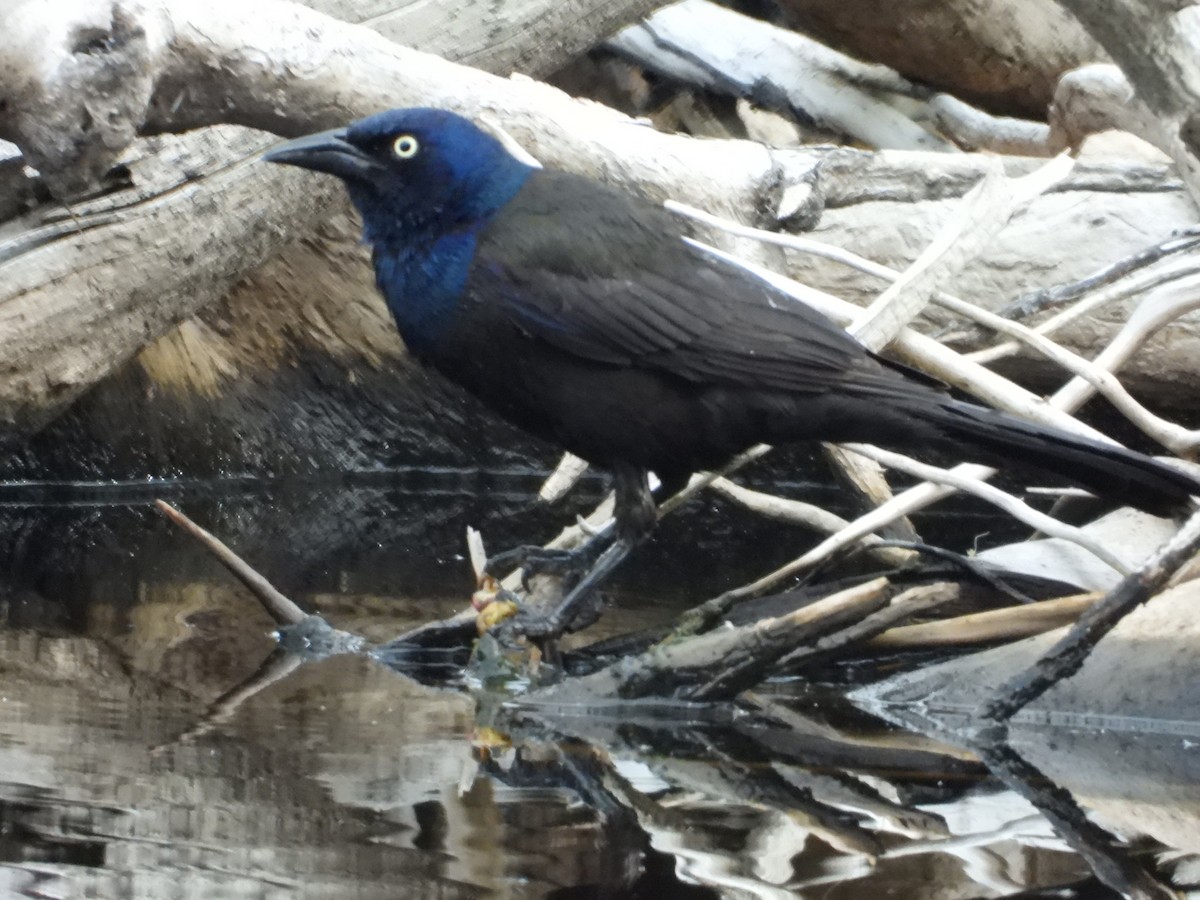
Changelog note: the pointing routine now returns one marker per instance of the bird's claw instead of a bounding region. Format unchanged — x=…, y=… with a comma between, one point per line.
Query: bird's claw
x=541, y=560
x=528, y=624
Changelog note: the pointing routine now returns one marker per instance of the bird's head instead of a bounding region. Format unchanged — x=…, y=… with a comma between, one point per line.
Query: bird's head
x=413, y=170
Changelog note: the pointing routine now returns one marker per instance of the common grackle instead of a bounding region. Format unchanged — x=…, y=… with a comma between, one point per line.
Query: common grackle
x=578, y=312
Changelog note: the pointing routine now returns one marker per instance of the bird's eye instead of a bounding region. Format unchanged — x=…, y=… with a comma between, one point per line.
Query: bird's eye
x=405, y=146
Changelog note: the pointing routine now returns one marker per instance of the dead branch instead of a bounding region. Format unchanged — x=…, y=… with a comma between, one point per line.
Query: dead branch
x=750, y=649
x=1033, y=302
x=1068, y=655
x=1008, y=624
x=279, y=607
x=912, y=602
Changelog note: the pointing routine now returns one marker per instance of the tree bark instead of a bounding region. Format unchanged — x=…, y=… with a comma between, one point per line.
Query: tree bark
x=1004, y=57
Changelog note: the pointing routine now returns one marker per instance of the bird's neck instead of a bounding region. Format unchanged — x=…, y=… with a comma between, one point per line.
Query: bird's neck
x=423, y=249
x=422, y=279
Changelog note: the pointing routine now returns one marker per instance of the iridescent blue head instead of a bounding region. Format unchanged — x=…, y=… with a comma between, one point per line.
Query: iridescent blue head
x=413, y=173
x=426, y=182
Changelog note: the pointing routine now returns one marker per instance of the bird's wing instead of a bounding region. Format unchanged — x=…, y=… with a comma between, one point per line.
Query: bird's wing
x=608, y=277
x=708, y=322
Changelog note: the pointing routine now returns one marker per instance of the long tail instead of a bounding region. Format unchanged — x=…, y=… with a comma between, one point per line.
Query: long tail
x=1105, y=469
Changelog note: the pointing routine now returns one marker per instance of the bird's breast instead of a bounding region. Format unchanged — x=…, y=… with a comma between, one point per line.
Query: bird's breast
x=423, y=284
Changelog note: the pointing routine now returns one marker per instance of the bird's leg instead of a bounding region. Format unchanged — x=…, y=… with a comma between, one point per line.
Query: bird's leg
x=635, y=518
x=550, y=560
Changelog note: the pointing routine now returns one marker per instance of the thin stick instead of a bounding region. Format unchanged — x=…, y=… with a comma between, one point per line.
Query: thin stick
x=279, y=607
x=1038, y=521
x=797, y=512
x=747, y=664
x=1068, y=655
x=1087, y=305
x=1007, y=624
x=1033, y=302
x=1174, y=437
x=1170, y=435
x=1159, y=309
x=903, y=606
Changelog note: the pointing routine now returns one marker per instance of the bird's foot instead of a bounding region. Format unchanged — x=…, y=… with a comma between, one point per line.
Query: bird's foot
x=541, y=627
x=548, y=560
x=578, y=609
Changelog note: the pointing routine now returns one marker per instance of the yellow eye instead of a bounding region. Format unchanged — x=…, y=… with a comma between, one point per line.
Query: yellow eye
x=405, y=146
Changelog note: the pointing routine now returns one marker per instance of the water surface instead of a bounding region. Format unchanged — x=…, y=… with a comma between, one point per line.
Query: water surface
x=133, y=763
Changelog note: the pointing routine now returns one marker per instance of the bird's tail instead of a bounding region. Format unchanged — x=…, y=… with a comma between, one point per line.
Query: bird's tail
x=1105, y=469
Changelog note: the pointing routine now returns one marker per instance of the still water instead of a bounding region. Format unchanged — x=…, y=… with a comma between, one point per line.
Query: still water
x=152, y=746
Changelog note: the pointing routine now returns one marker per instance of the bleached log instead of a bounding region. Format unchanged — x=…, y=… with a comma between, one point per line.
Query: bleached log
x=68, y=317
x=706, y=45
x=78, y=82
x=1156, y=44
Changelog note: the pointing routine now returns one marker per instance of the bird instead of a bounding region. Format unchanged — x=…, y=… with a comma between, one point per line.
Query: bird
x=581, y=313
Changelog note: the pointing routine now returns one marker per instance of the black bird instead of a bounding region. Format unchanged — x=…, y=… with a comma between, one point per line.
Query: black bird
x=580, y=313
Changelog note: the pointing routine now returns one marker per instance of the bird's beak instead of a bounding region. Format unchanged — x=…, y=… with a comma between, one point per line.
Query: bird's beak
x=326, y=151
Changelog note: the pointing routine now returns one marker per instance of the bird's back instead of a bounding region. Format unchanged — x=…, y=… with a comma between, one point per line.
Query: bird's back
x=588, y=320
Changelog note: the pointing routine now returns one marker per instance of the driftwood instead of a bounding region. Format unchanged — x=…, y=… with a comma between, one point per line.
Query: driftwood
x=706, y=45
x=58, y=347
x=1005, y=63
x=64, y=331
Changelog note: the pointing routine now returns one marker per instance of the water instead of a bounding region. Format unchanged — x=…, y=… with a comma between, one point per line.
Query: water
x=135, y=760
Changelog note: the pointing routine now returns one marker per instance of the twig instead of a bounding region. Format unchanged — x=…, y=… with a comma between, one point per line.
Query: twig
x=279, y=607
x=674, y=664
x=1174, y=437
x=797, y=512
x=1068, y=655
x=980, y=570
x=703, y=479
x=1038, y=521
x=1033, y=302
x=1138, y=284
x=748, y=662
x=712, y=611
x=1163, y=306
x=1007, y=624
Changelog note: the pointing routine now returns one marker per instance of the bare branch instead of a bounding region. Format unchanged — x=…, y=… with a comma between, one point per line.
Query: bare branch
x=281, y=609
x=1005, y=501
